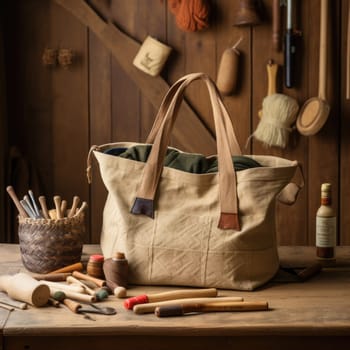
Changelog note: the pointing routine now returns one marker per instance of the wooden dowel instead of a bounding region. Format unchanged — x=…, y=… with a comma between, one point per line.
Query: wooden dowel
x=6, y=307
x=84, y=298
x=63, y=207
x=65, y=287
x=57, y=201
x=70, y=268
x=72, y=305
x=172, y=295
x=42, y=201
x=179, y=310
x=16, y=201
x=82, y=276
x=81, y=209
x=150, y=307
x=75, y=203
x=54, y=277
x=72, y=280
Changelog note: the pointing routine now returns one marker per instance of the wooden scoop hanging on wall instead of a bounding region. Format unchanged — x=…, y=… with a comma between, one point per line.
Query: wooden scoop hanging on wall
x=278, y=113
x=315, y=111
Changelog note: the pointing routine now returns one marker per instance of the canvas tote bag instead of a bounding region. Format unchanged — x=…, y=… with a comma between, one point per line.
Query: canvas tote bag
x=181, y=228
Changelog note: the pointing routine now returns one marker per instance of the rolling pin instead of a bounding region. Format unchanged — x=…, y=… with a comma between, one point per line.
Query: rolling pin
x=23, y=287
x=176, y=294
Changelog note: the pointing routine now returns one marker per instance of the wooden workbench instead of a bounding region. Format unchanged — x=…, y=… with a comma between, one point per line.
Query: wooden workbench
x=302, y=316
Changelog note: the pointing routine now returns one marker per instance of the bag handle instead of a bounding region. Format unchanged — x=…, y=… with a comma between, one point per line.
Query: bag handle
x=144, y=202
x=234, y=145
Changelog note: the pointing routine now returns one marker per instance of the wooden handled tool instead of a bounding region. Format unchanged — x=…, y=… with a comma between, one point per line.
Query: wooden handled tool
x=81, y=209
x=72, y=280
x=315, y=111
x=54, y=277
x=10, y=190
x=74, y=207
x=276, y=25
x=180, y=310
x=272, y=69
x=63, y=207
x=150, y=307
x=65, y=287
x=72, y=305
x=23, y=287
x=84, y=298
x=82, y=276
x=57, y=201
x=70, y=268
x=172, y=295
x=44, y=210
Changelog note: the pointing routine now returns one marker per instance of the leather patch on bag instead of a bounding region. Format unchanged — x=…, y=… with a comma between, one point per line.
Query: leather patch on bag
x=143, y=206
x=229, y=221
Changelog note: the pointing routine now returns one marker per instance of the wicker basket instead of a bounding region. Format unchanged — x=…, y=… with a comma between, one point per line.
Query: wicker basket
x=47, y=245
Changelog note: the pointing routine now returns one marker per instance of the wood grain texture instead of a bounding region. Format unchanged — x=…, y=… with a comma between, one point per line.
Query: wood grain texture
x=344, y=142
x=70, y=110
x=98, y=101
x=298, y=312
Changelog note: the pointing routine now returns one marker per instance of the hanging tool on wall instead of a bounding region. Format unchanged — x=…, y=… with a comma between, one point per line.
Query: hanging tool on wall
x=248, y=13
x=290, y=48
x=276, y=25
x=227, y=77
x=315, y=110
x=278, y=113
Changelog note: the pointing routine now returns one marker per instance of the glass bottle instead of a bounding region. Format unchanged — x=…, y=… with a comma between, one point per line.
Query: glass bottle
x=326, y=225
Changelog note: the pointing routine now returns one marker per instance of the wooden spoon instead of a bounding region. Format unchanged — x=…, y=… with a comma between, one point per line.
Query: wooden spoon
x=313, y=115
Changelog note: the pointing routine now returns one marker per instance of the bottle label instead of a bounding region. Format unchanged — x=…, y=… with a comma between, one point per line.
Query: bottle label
x=326, y=231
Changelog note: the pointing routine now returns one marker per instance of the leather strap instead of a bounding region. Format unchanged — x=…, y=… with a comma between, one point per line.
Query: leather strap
x=153, y=168
x=234, y=145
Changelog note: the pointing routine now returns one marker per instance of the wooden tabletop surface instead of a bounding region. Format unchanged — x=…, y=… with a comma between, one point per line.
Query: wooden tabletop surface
x=319, y=306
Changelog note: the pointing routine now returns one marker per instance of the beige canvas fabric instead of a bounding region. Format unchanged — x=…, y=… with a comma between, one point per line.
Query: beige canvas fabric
x=182, y=244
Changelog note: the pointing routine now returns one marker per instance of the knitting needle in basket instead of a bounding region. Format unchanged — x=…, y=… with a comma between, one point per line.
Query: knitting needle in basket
x=34, y=205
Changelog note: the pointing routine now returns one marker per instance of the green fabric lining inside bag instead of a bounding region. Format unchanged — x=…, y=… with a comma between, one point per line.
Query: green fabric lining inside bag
x=188, y=162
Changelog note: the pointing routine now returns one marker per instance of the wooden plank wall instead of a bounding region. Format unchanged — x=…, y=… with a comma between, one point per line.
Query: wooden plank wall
x=94, y=102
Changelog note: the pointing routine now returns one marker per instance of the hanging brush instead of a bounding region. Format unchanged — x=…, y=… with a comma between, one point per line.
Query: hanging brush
x=278, y=113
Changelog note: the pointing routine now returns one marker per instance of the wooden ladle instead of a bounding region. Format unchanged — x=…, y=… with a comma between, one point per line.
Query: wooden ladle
x=314, y=113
